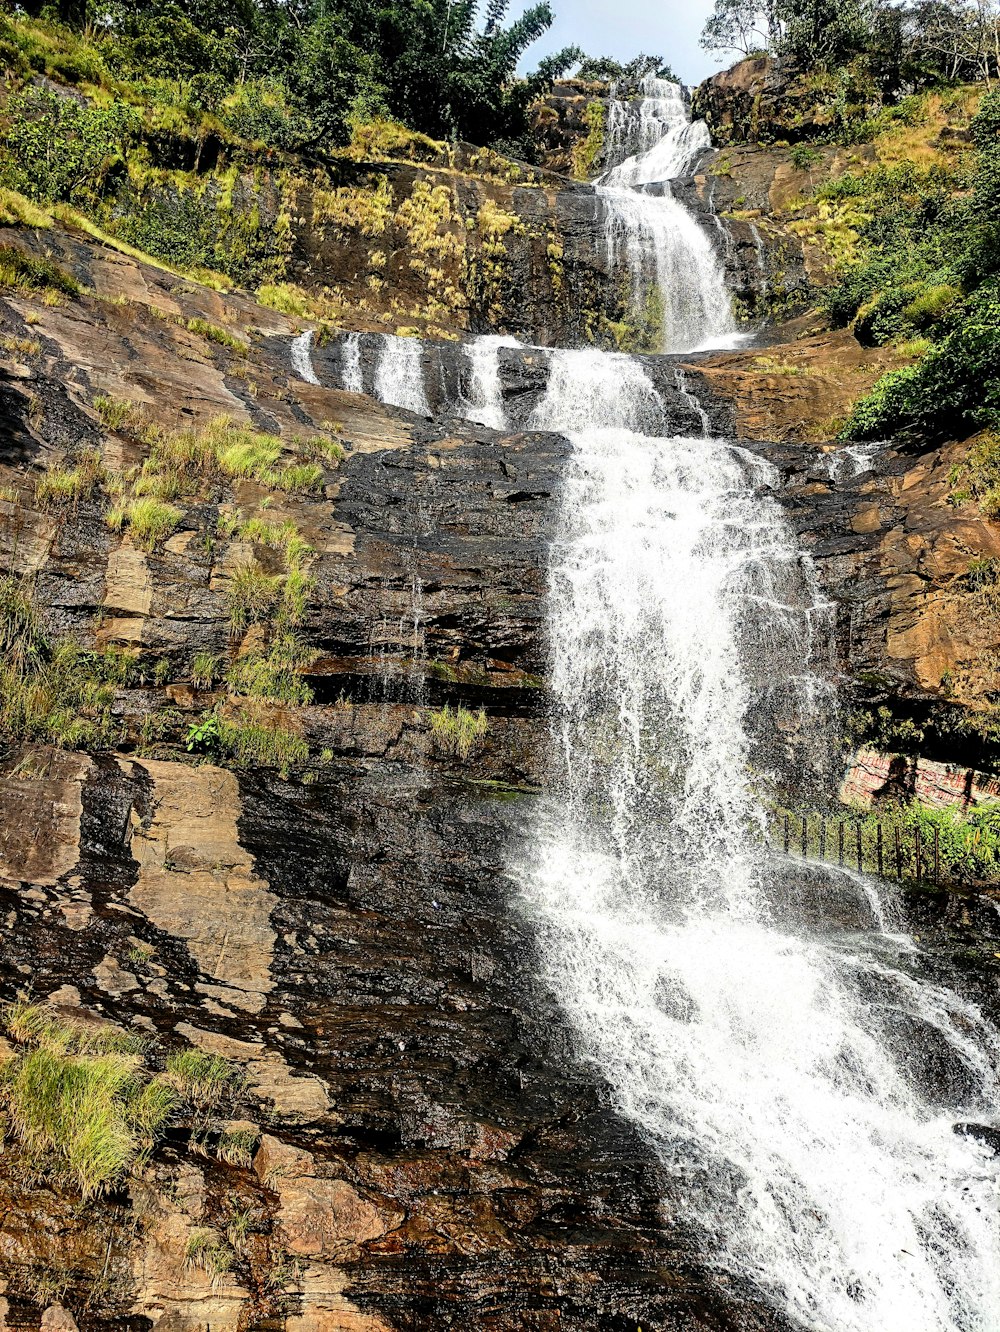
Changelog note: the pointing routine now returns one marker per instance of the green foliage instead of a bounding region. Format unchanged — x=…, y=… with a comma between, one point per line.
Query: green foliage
x=57, y=148
x=237, y=1147
x=930, y=264
x=77, y=1096
x=273, y=674
x=459, y=732
x=148, y=519
x=253, y=596
x=977, y=477
x=61, y=693
x=205, y=736
x=259, y=743
x=207, y=1250
x=604, y=69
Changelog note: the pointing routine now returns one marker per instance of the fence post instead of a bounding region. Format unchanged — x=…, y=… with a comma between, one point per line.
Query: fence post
x=917, y=842
x=822, y=837
x=786, y=832
x=899, y=854
x=937, y=854
x=805, y=833
x=878, y=846
x=840, y=843
x=857, y=836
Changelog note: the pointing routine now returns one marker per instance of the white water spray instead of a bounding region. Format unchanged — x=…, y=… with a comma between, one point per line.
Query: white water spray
x=302, y=357
x=399, y=378
x=677, y=286
x=483, y=400
x=352, y=375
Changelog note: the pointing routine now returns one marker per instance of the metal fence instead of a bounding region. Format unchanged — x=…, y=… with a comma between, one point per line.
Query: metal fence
x=868, y=845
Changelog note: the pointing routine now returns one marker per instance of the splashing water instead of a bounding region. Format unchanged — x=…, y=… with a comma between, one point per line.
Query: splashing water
x=678, y=298
x=483, y=400
x=352, y=376
x=653, y=134
x=301, y=355
x=399, y=378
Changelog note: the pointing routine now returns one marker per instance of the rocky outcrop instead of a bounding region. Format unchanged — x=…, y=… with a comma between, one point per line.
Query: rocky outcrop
x=763, y=100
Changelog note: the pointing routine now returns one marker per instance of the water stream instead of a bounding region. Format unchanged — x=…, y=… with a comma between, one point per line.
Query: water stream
x=767, y=1026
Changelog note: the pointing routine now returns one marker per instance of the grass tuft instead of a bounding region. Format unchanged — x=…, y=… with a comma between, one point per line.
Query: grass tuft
x=459, y=732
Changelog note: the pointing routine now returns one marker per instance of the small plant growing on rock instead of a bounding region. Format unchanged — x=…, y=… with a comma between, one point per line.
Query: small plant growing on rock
x=253, y=596
x=203, y=1080
x=221, y=336
x=149, y=520
x=207, y=1250
x=458, y=732
x=237, y=1147
x=205, y=670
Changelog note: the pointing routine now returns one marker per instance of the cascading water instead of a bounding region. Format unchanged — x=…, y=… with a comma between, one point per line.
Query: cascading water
x=677, y=288
x=399, y=378
x=765, y=1024
x=769, y=1066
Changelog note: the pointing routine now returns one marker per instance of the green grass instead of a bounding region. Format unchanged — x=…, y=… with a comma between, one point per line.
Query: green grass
x=17, y=211
x=64, y=695
x=274, y=674
x=253, y=596
x=221, y=336
x=79, y=1097
x=207, y=1250
x=257, y=742
x=66, y=485
x=237, y=1147
x=24, y=646
x=149, y=520
x=299, y=476
x=203, y=1081
x=459, y=732
x=206, y=669
x=25, y=272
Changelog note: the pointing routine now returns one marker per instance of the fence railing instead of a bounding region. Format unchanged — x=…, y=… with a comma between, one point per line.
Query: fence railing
x=868, y=845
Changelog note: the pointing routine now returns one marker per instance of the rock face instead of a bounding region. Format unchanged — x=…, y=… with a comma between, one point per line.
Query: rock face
x=760, y=100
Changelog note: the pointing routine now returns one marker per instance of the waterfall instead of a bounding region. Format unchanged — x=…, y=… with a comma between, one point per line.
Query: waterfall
x=399, y=378
x=804, y=1087
x=678, y=299
x=483, y=402
x=651, y=138
x=351, y=373
x=301, y=355
x=771, y=1066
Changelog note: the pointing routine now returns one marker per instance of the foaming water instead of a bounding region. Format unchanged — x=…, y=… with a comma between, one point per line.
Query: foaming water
x=482, y=399
x=399, y=376
x=651, y=138
x=301, y=355
x=780, y=1062
x=677, y=284
x=352, y=376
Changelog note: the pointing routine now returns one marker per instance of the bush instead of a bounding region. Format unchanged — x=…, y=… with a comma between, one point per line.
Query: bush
x=148, y=519
x=273, y=674
x=253, y=596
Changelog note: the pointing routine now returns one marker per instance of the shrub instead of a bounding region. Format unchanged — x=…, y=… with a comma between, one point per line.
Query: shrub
x=24, y=647
x=458, y=732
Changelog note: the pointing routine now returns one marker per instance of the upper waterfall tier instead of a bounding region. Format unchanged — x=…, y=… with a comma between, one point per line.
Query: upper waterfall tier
x=651, y=137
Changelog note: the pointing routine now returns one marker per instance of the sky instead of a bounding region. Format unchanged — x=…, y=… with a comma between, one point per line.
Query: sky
x=623, y=28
